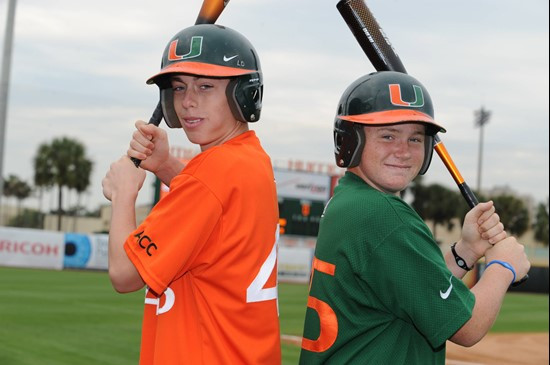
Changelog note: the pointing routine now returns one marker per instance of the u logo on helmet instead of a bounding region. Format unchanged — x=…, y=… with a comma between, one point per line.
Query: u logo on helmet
x=397, y=99
x=195, y=50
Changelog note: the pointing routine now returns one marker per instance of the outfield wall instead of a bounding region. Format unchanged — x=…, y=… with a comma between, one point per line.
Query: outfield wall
x=33, y=248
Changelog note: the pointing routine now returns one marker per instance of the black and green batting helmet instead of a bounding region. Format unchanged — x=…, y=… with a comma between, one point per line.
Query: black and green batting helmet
x=213, y=51
x=381, y=98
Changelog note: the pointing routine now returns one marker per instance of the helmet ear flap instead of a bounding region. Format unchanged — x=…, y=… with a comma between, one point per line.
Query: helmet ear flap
x=167, y=102
x=168, y=111
x=429, y=144
x=245, y=94
x=349, y=140
x=428, y=153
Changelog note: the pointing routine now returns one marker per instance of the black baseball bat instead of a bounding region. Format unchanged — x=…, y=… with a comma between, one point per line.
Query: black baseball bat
x=208, y=14
x=382, y=55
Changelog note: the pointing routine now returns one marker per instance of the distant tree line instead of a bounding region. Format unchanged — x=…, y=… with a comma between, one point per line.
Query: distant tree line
x=63, y=164
x=443, y=206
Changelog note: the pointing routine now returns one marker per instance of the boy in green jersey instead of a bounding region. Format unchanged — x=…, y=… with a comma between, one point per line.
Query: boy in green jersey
x=381, y=291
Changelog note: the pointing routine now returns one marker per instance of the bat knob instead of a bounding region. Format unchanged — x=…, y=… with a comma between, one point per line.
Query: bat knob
x=519, y=282
x=135, y=161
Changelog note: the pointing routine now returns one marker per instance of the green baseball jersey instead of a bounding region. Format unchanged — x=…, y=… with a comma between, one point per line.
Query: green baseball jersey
x=380, y=290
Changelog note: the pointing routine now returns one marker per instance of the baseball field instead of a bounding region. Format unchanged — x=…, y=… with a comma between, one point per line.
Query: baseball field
x=75, y=317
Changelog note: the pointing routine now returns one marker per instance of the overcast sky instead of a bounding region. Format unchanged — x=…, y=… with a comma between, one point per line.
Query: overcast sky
x=79, y=70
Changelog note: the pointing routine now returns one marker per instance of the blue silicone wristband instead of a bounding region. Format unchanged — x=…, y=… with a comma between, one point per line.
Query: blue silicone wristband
x=506, y=265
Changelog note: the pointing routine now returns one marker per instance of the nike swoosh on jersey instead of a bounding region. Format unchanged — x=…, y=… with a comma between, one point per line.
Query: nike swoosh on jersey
x=227, y=59
x=445, y=295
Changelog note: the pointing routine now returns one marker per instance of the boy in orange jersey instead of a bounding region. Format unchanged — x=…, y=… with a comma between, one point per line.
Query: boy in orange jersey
x=207, y=252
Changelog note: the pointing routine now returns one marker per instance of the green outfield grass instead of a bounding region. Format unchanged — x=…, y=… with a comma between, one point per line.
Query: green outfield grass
x=75, y=317
x=523, y=313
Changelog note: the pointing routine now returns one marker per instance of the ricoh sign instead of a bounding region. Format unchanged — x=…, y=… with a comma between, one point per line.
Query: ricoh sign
x=31, y=248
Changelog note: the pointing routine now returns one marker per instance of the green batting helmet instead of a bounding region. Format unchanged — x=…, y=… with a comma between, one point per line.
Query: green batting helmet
x=213, y=51
x=381, y=98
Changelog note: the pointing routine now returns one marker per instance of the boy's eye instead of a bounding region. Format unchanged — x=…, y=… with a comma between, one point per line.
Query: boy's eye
x=178, y=86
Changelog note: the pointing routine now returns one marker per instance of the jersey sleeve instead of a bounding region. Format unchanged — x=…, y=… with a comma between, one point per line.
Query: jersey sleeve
x=417, y=286
x=163, y=247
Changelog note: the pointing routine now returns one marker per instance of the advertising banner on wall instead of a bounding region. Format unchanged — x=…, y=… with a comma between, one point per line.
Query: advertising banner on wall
x=295, y=264
x=22, y=247
x=302, y=185
x=99, y=256
x=84, y=251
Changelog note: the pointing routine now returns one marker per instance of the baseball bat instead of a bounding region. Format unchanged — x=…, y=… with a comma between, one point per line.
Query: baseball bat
x=382, y=55
x=208, y=14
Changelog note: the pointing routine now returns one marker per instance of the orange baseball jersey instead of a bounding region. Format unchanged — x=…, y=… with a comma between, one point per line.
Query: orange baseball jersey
x=208, y=254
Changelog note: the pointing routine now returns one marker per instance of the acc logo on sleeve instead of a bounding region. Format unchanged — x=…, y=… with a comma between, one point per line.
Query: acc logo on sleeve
x=146, y=243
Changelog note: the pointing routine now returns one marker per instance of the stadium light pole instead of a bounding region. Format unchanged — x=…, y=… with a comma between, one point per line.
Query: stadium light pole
x=482, y=117
x=4, y=87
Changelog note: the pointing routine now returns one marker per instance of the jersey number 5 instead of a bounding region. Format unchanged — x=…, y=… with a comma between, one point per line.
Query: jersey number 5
x=328, y=327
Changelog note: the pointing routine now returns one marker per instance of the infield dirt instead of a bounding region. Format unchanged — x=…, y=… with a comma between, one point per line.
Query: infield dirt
x=494, y=349
x=502, y=349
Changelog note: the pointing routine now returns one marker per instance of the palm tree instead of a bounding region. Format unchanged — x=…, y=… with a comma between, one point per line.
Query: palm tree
x=14, y=186
x=63, y=164
x=80, y=181
x=22, y=192
x=9, y=185
x=43, y=175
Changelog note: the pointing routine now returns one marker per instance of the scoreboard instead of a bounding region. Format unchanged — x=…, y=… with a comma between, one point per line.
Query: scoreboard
x=302, y=196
